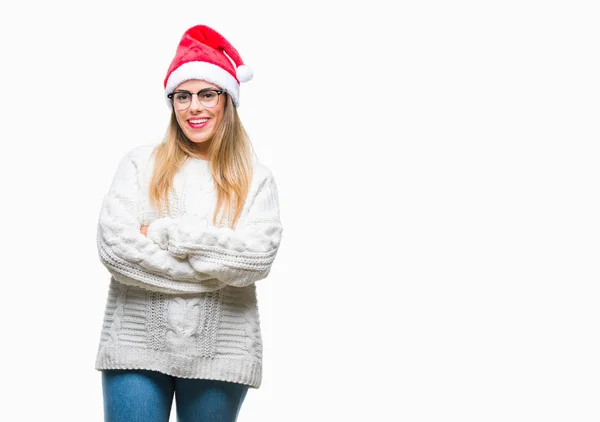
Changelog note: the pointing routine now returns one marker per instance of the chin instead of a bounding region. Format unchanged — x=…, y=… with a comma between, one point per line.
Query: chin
x=197, y=138
x=198, y=141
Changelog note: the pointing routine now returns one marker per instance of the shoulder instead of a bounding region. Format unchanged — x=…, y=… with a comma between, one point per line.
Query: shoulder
x=261, y=171
x=141, y=153
x=263, y=181
x=139, y=156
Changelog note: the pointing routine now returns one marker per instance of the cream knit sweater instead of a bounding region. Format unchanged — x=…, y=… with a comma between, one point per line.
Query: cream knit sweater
x=182, y=300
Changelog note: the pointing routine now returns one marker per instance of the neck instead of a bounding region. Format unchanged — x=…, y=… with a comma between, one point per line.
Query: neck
x=200, y=152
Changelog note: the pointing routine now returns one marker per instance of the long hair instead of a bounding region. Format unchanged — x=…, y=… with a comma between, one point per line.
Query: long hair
x=230, y=161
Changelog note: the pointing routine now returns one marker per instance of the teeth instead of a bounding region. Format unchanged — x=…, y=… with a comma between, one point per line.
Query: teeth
x=197, y=122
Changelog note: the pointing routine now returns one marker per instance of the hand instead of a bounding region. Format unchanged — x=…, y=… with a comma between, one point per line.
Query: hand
x=144, y=230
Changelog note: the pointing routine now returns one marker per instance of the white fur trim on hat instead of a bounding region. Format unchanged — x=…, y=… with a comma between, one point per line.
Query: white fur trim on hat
x=207, y=72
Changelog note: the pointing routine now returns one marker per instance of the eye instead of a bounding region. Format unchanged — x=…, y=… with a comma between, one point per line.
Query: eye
x=182, y=96
x=209, y=95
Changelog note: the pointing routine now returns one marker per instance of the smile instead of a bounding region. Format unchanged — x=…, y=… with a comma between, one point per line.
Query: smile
x=197, y=123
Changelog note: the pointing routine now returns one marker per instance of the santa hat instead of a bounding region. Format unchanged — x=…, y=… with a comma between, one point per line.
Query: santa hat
x=205, y=54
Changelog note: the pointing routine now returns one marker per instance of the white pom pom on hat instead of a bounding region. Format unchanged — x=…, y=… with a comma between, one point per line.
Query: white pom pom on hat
x=205, y=54
x=244, y=73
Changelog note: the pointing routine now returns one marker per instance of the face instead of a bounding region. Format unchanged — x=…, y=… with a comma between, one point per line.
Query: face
x=198, y=122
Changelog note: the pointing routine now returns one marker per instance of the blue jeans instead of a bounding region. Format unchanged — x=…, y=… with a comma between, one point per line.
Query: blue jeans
x=132, y=395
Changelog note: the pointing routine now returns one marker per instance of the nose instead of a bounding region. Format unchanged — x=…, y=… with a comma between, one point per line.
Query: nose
x=195, y=105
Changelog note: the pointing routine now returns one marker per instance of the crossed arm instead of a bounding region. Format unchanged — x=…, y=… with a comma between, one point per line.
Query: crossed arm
x=186, y=254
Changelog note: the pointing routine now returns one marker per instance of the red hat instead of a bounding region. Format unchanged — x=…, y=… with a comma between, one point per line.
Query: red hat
x=205, y=54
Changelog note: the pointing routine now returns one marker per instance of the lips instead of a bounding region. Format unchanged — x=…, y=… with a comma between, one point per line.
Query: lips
x=198, y=123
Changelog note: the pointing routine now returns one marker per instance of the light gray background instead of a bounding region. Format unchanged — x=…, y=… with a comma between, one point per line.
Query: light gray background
x=438, y=173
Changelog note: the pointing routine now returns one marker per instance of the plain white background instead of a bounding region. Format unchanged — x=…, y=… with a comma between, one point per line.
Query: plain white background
x=437, y=165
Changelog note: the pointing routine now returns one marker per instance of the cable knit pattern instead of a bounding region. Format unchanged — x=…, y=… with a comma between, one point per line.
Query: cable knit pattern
x=130, y=256
x=237, y=257
x=182, y=300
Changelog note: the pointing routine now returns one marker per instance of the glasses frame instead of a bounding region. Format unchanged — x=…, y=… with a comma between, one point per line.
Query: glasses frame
x=197, y=95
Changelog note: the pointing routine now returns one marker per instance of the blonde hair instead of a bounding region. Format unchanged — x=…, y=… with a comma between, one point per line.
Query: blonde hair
x=230, y=162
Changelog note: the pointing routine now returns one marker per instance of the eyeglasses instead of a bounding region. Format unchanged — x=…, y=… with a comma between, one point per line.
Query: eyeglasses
x=208, y=98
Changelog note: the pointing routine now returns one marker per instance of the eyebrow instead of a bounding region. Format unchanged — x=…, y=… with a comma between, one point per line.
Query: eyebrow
x=202, y=90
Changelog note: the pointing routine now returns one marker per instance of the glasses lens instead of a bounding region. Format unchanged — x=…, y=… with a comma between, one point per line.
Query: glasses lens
x=182, y=100
x=209, y=98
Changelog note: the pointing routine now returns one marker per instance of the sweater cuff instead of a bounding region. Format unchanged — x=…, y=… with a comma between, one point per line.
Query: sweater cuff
x=183, y=230
x=158, y=231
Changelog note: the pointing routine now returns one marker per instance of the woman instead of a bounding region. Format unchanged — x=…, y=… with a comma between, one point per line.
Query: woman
x=186, y=229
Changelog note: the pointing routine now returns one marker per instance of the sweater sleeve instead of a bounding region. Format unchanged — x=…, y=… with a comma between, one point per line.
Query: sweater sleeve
x=236, y=257
x=132, y=256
